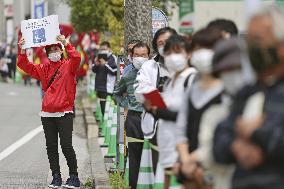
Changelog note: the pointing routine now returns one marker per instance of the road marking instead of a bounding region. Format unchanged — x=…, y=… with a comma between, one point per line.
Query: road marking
x=13, y=147
x=12, y=93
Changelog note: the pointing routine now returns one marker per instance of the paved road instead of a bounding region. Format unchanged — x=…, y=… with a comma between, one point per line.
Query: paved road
x=27, y=166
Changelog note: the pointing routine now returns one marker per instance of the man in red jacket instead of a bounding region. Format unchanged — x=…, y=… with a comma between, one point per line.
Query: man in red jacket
x=57, y=78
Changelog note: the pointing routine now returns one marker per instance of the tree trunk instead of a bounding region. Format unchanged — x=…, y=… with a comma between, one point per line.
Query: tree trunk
x=138, y=21
x=2, y=22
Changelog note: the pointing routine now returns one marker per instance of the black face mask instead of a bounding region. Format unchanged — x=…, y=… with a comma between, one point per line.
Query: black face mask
x=262, y=58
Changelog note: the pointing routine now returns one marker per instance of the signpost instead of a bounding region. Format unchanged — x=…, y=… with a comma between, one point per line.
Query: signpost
x=186, y=16
x=159, y=20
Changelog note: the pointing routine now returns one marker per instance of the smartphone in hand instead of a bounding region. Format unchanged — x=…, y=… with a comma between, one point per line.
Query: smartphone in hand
x=103, y=56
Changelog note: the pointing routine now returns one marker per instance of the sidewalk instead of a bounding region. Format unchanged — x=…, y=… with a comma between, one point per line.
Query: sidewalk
x=98, y=166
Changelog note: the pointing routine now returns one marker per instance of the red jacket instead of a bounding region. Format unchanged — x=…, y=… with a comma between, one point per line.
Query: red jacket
x=60, y=96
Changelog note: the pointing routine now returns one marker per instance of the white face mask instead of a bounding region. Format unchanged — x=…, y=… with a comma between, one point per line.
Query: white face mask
x=161, y=51
x=54, y=57
x=138, y=62
x=202, y=60
x=176, y=62
x=233, y=81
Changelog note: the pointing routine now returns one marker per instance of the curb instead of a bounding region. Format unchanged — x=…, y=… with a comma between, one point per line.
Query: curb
x=99, y=173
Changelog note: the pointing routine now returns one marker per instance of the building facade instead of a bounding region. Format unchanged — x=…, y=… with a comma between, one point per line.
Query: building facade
x=24, y=9
x=207, y=10
x=2, y=22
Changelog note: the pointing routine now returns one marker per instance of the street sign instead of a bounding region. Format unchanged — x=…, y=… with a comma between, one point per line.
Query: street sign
x=280, y=2
x=159, y=20
x=186, y=16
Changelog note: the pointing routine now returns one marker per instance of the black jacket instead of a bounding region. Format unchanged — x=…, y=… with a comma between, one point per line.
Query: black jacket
x=104, y=73
x=270, y=137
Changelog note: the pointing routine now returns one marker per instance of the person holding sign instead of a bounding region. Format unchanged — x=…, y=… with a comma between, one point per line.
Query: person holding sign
x=57, y=78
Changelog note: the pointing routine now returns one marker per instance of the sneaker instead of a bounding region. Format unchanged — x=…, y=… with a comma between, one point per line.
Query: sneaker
x=72, y=182
x=56, y=181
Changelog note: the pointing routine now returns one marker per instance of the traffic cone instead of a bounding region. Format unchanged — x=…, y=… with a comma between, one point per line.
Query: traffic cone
x=102, y=125
x=98, y=112
x=121, y=157
x=159, y=177
x=126, y=173
x=91, y=84
x=93, y=95
x=113, y=131
x=146, y=178
x=18, y=77
x=174, y=183
x=108, y=127
x=105, y=117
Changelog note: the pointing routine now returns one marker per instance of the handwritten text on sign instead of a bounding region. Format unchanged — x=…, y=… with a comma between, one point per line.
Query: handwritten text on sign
x=40, y=32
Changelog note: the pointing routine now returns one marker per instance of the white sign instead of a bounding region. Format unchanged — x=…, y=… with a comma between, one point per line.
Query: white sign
x=40, y=32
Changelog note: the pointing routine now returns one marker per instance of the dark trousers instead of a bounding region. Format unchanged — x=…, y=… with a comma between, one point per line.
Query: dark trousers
x=63, y=126
x=133, y=129
x=4, y=75
x=12, y=70
x=103, y=96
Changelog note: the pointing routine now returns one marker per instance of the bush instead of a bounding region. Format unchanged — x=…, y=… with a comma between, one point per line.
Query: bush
x=88, y=183
x=117, y=181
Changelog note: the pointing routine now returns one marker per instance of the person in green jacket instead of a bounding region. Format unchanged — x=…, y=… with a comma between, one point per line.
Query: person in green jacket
x=124, y=91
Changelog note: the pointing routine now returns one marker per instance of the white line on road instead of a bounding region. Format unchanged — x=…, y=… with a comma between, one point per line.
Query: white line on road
x=20, y=142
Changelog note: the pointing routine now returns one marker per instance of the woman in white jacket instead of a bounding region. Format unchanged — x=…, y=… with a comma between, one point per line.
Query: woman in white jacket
x=177, y=53
x=151, y=76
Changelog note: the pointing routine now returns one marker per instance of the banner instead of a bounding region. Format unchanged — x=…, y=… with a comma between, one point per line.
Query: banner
x=40, y=32
x=186, y=16
x=39, y=8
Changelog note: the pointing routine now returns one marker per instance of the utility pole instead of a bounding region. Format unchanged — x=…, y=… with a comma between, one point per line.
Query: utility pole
x=2, y=22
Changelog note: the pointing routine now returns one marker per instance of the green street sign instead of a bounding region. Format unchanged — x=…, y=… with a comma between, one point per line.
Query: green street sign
x=186, y=16
x=280, y=2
